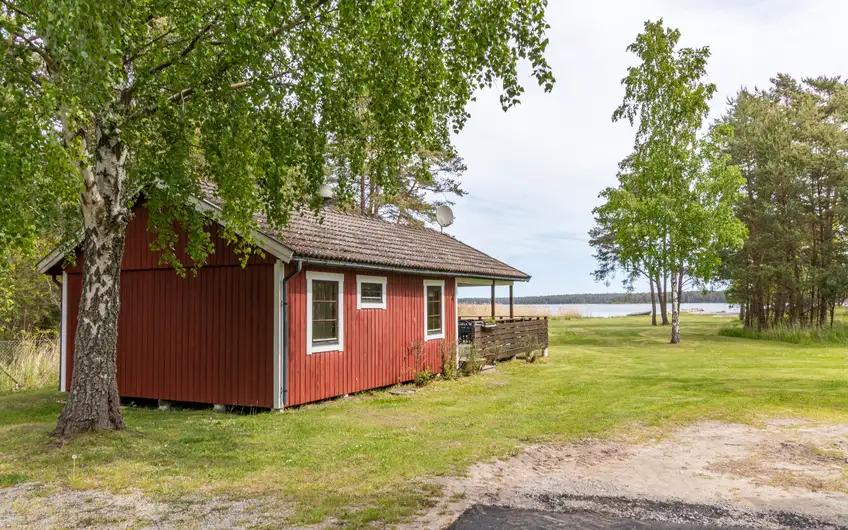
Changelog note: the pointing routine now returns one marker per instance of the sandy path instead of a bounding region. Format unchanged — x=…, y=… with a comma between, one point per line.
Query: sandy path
x=785, y=473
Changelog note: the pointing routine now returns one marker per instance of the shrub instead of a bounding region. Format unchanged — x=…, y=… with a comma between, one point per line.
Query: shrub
x=448, y=354
x=473, y=362
x=423, y=377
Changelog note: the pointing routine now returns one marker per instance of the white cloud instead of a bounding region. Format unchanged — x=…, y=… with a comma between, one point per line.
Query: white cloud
x=534, y=173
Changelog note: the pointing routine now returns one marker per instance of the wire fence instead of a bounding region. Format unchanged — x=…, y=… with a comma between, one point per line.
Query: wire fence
x=28, y=363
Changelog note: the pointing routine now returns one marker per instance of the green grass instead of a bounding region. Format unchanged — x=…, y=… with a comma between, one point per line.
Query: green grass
x=369, y=458
x=838, y=334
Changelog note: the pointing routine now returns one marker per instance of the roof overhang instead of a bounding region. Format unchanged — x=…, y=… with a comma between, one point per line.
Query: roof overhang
x=467, y=278
x=263, y=240
x=56, y=256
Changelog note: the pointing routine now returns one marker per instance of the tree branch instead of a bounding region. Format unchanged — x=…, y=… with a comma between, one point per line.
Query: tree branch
x=188, y=49
x=141, y=50
x=16, y=9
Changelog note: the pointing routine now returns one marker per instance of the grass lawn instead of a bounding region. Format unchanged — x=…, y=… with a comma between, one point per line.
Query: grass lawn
x=368, y=458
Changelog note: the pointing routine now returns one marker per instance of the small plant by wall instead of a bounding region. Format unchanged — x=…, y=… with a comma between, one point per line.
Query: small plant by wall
x=473, y=363
x=448, y=354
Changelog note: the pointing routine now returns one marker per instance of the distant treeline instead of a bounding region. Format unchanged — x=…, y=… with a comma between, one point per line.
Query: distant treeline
x=689, y=297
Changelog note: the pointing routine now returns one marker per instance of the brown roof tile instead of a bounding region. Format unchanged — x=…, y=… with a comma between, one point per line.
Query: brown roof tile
x=337, y=235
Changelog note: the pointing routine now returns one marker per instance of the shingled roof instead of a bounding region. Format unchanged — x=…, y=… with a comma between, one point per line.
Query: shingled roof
x=342, y=236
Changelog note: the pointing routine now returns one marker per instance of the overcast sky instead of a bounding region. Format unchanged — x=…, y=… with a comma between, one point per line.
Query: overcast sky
x=534, y=172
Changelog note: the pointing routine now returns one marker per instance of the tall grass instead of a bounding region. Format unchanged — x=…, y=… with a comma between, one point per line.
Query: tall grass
x=836, y=335
x=520, y=310
x=28, y=364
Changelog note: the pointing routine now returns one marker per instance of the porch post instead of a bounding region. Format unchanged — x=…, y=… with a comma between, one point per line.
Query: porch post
x=511, y=302
x=493, y=298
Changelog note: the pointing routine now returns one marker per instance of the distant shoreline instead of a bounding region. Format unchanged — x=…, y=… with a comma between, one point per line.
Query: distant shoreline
x=689, y=297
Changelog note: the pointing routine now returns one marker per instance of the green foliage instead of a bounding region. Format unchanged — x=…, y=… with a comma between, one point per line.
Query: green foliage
x=473, y=361
x=423, y=377
x=256, y=97
x=792, y=145
x=448, y=354
x=10, y=479
x=29, y=302
x=671, y=214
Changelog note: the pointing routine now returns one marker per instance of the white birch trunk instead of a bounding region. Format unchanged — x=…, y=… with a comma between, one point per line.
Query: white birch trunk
x=93, y=403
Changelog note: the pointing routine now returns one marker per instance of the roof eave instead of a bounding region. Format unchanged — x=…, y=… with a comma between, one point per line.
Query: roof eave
x=408, y=270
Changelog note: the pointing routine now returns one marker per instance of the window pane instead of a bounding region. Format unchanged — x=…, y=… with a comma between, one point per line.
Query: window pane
x=434, y=308
x=372, y=292
x=324, y=331
x=325, y=311
x=324, y=290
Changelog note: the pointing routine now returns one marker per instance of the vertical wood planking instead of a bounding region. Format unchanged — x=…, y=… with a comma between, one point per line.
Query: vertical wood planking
x=377, y=342
x=206, y=339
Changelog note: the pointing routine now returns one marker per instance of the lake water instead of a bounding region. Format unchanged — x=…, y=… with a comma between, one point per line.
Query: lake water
x=620, y=310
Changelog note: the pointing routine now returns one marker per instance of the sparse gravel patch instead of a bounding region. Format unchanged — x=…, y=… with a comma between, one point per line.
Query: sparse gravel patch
x=32, y=506
x=784, y=474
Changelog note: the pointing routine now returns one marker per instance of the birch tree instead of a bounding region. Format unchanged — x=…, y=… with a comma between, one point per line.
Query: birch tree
x=102, y=100
x=672, y=211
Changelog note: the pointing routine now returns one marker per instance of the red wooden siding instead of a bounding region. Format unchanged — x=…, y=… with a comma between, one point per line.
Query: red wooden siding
x=138, y=256
x=206, y=339
x=376, y=342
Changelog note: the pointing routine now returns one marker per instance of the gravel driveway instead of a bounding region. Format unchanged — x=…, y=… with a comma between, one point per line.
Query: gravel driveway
x=781, y=474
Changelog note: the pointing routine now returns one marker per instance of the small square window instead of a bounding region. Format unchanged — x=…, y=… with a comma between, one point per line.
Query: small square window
x=370, y=292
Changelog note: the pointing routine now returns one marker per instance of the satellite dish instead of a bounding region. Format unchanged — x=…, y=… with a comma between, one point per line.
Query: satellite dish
x=444, y=216
x=325, y=192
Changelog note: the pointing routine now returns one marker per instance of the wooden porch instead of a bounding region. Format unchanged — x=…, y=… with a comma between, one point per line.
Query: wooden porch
x=501, y=338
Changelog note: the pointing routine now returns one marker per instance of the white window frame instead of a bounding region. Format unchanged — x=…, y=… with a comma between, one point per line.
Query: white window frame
x=441, y=335
x=370, y=279
x=330, y=277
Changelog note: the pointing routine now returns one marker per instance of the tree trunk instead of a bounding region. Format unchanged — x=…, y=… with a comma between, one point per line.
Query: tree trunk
x=93, y=402
x=362, y=193
x=653, y=303
x=676, y=285
x=663, y=299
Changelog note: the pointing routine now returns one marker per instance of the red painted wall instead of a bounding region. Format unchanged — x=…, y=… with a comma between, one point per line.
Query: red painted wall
x=206, y=339
x=376, y=341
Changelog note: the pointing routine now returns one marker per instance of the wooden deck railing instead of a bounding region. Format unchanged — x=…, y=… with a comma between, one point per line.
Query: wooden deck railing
x=504, y=337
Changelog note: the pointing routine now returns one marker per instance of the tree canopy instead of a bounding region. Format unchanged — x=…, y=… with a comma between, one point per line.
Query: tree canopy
x=671, y=214
x=791, y=143
x=102, y=100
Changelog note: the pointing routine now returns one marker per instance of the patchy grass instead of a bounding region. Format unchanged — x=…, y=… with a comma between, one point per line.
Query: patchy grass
x=369, y=458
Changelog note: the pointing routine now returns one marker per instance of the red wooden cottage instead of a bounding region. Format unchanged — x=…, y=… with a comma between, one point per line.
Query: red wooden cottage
x=334, y=307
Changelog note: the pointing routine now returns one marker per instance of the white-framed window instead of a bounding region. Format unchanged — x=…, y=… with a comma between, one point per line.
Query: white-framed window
x=434, y=309
x=370, y=292
x=324, y=312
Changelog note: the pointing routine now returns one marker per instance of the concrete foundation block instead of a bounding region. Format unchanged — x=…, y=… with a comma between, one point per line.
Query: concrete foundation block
x=217, y=407
x=164, y=404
